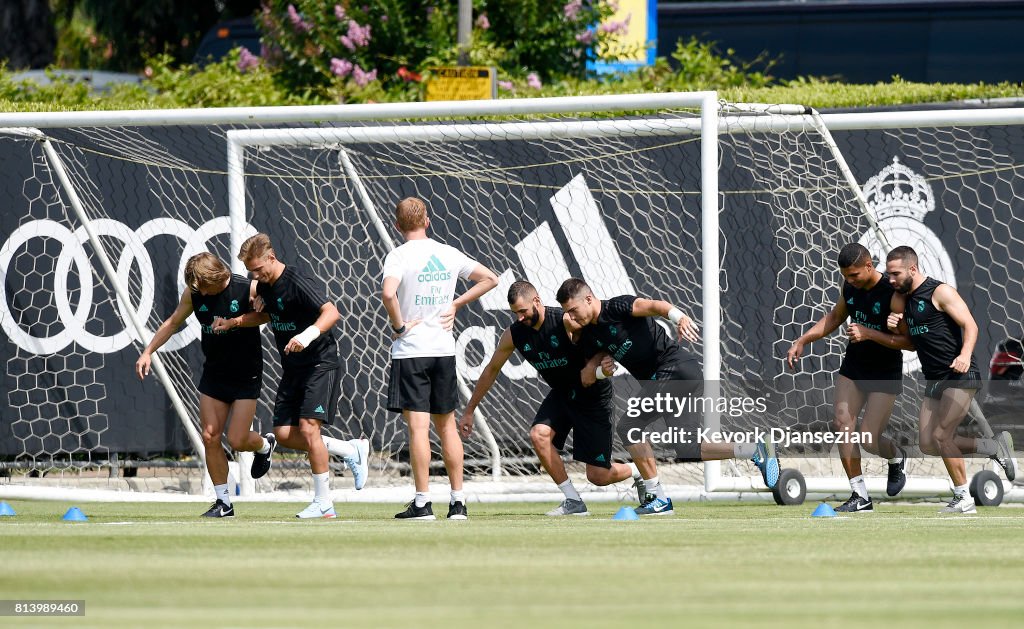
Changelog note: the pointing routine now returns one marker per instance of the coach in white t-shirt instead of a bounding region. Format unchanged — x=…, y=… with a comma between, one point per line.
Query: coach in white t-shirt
x=419, y=280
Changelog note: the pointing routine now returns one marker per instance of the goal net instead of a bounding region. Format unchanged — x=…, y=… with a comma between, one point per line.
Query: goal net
x=615, y=199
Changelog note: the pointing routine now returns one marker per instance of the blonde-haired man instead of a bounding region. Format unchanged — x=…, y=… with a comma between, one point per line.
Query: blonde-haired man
x=419, y=280
x=302, y=319
x=233, y=368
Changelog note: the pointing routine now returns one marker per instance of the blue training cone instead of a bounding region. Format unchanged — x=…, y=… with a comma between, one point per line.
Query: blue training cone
x=75, y=514
x=824, y=511
x=626, y=513
x=6, y=510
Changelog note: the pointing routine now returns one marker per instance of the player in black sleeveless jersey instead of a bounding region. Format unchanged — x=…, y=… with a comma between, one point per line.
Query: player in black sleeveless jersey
x=871, y=374
x=944, y=332
x=233, y=367
x=622, y=329
x=302, y=320
x=540, y=336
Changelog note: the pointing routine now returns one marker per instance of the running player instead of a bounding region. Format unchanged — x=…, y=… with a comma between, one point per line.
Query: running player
x=233, y=367
x=623, y=329
x=302, y=319
x=541, y=338
x=871, y=374
x=944, y=332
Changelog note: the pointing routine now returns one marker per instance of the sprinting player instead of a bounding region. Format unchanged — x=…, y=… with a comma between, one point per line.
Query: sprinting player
x=539, y=335
x=944, y=332
x=622, y=329
x=871, y=374
x=302, y=319
x=233, y=367
x=418, y=291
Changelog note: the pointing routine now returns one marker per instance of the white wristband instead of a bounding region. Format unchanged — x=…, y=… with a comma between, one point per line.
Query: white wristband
x=307, y=336
x=675, y=315
x=599, y=374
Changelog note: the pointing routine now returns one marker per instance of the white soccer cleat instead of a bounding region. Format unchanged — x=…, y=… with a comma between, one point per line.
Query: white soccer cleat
x=317, y=510
x=569, y=507
x=359, y=464
x=960, y=505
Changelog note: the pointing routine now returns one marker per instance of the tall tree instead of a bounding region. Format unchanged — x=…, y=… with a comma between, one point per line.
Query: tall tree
x=28, y=36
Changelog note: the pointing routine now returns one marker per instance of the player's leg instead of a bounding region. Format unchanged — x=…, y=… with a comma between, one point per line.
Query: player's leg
x=877, y=412
x=444, y=398
x=213, y=414
x=550, y=429
x=241, y=436
x=409, y=394
x=952, y=409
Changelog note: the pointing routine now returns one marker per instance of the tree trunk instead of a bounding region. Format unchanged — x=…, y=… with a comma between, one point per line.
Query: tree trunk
x=29, y=38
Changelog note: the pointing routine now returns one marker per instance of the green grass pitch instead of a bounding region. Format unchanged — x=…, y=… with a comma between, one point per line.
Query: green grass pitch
x=717, y=564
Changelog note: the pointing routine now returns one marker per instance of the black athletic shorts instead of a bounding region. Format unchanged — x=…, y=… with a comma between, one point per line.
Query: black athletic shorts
x=952, y=380
x=589, y=417
x=426, y=385
x=306, y=392
x=227, y=390
x=874, y=381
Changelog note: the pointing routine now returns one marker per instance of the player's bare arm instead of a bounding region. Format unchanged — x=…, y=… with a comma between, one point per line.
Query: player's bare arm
x=685, y=326
x=859, y=333
x=487, y=378
x=822, y=328
x=947, y=300
x=328, y=317
x=163, y=334
x=483, y=280
x=588, y=375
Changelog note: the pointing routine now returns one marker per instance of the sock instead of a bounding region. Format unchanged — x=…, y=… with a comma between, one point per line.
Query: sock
x=744, y=450
x=987, y=447
x=860, y=487
x=960, y=490
x=265, y=448
x=654, y=487
x=569, y=491
x=901, y=454
x=339, y=448
x=458, y=495
x=322, y=487
x=634, y=471
x=222, y=493
x=421, y=498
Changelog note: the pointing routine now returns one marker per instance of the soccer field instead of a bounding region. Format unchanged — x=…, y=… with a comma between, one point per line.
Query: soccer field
x=725, y=564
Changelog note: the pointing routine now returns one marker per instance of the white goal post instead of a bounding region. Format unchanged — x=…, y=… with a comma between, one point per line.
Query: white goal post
x=344, y=165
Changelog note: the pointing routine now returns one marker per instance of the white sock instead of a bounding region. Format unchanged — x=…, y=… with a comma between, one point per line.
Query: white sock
x=322, y=487
x=744, y=450
x=339, y=448
x=265, y=447
x=421, y=498
x=569, y=491
x=654, y=487
x=222, y=493
x=987, y=447
x=634, y=471
x=860, y=487
x=458, y=495
x=960, y=490
x=900, y=455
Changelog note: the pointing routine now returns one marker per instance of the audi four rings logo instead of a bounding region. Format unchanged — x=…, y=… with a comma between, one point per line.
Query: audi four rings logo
x=73, y=318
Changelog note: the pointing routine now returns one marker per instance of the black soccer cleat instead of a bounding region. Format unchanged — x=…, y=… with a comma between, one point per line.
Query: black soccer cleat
x=897, y=475
x=220, y=510
x=856, y=504
x=261, y=462
x=457, y=511
x=412, y=512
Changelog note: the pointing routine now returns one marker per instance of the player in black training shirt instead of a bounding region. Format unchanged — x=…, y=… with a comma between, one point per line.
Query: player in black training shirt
x=944, y=332
x=302, y=319
x=233, y=367
x=622, y=329
x=871, y=374
x=540, y=336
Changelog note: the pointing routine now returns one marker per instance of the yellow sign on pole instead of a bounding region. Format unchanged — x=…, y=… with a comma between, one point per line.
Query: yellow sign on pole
x=462, y=83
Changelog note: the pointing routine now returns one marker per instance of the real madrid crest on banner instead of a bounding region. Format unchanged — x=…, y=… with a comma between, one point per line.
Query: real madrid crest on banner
x=899, y=198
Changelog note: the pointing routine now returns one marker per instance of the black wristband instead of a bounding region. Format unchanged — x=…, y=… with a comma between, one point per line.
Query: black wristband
x=399, y=331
